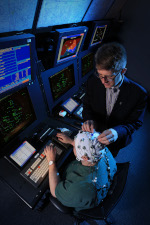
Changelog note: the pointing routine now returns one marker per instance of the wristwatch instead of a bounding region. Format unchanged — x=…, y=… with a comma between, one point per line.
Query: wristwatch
x=50, y=162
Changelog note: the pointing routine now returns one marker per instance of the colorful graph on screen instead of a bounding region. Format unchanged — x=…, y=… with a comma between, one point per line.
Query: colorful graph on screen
x=69, y=46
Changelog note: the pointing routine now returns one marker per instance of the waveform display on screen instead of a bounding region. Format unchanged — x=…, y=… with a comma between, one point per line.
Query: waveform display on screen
x=69, y=46
x=17, y=113
x=98, y=34
x=62, y=81
x=15, y=67
x=87, y=63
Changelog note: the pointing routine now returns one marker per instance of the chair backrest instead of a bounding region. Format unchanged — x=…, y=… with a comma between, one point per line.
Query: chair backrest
x=60, y=206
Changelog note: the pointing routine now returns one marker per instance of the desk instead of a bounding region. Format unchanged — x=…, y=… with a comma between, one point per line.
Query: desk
x=11, y=175
x=73, y=122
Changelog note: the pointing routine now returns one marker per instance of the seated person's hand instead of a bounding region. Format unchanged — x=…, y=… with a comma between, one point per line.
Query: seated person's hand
x=108, y=136
x=88, y=126
x=64, y=138
x=50, y=152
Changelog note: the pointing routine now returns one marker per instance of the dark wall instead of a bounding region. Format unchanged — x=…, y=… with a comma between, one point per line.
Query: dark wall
x=134, y=33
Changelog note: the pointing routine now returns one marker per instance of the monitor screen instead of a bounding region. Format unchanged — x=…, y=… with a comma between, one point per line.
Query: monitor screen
x=62, y=81
x=23, y=153
x=69, y=46
x=87, y=63
x=17, y=62
x=17, y=113
x=98, y=35
x=70, y=42
x=15, y=66
x=70, y=105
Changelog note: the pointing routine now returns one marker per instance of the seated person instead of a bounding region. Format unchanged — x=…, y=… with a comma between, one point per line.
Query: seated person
x=87, y=179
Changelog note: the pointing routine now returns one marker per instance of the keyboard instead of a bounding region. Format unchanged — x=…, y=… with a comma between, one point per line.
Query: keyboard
x=37, y=168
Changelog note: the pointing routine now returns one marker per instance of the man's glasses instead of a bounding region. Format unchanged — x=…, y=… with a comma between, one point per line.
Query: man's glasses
x=107, y=77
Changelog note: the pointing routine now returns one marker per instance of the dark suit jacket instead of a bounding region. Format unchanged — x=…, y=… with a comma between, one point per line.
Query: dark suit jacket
x=127, y=114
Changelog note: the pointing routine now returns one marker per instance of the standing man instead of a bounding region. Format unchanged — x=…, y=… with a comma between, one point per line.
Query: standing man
x=113, y=104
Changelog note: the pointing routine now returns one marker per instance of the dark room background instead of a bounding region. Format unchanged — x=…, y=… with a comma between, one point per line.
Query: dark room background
x=133, y=31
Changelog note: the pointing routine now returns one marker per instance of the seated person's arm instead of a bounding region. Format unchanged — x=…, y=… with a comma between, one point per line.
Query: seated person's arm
x=54, y=179
x=65, y=139
x=50, y=153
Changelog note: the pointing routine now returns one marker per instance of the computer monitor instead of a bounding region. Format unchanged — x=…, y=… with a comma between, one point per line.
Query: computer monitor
x=98, y=34
x=16, y=114
x=86, y=65
x=17, y=61
x=22, y=154
x=20, y=114
x=70, y=41
x=70, y=105
x=60, y=83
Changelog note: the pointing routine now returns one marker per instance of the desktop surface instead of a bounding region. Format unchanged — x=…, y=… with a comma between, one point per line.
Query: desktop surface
x=11, y=175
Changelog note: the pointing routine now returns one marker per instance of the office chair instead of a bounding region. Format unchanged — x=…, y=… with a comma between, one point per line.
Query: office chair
x=102, y=211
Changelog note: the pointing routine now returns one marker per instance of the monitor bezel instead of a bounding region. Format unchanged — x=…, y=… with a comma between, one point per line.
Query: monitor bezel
x=45, y=79
x=18, y=40
x=66, y=32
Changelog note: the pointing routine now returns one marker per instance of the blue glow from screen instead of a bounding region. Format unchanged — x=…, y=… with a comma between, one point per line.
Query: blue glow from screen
x=16, y=15
x=15, y=67
x=56, y=12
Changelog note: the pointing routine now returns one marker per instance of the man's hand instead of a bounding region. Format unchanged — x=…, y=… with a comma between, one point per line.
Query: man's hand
x=106, y=137
x=88, y=126
x=50, y=152
x=64, y=138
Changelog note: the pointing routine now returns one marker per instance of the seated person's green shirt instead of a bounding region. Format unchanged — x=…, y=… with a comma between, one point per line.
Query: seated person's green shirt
x=84, y=187
x=75, y=191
